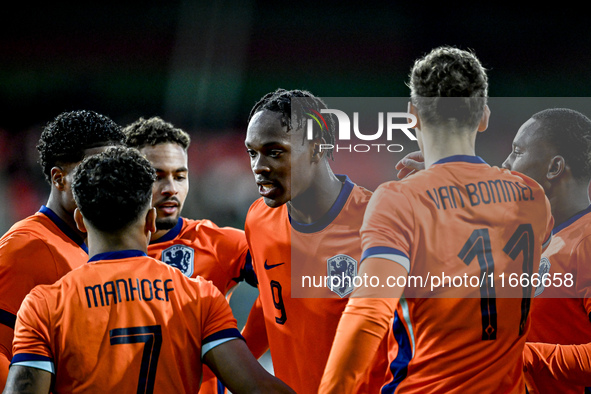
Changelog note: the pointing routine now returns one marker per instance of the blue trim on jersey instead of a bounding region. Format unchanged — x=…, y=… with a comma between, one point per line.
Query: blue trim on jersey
x=171, y=234
x=119, y=254
x=7, y=318
x=221, y=388
x=461, y=158
x=64, y=227
x=332, y=213
x=399, y=366
x=381, y=250
x=571, y=220
x=247, y=273
x=20, y=357
x=222, y=334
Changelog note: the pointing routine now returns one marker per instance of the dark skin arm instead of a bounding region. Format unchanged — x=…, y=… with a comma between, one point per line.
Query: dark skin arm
x=240, y=372
x=27, y=380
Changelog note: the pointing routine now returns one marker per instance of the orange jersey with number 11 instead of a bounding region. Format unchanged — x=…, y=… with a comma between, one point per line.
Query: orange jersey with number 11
x=460, y=217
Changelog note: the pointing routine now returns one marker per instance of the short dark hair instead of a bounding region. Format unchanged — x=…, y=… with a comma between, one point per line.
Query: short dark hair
x=569, y=132
x=65, y=138
x=281, y=101
x=154, y=131
x=113, y=188
x=449, y=85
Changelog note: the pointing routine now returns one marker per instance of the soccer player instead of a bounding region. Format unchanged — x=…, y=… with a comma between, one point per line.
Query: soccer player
x=126, y=322
x=45, y=246
x=196, y=247
x=554, y=148
x=306, y=220
x=458, y=216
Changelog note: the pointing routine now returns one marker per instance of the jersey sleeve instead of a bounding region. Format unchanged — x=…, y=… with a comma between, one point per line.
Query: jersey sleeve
x=219, y=325
x=233, y=249
x=255, y=331
x=569, y=363
x=25, y=261
x=360, y=333
x=387, y=230
x=31, y=345
x=583, y=274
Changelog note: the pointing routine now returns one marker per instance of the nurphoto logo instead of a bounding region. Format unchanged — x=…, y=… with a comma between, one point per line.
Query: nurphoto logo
x=344, y=130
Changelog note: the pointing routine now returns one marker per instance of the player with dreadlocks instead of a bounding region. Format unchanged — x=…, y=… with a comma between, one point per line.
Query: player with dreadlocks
x=306, y=224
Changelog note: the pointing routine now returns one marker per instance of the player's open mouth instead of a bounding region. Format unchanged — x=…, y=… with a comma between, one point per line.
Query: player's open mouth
x=169, y=208
x=266, y=189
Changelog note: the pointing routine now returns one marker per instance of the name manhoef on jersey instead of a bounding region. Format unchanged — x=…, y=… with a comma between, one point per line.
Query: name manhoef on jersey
x=123, y=323
x=460, y=215
x=301, y=330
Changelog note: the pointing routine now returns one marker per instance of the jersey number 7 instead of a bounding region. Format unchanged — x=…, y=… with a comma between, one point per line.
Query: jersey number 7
x=151, y=336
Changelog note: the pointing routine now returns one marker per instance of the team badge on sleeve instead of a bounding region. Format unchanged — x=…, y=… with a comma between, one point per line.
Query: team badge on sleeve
x=181, y=257
x=544, y=269
x=341, y=273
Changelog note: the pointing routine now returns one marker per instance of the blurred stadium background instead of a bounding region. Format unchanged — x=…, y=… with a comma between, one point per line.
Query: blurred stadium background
x=202, y=65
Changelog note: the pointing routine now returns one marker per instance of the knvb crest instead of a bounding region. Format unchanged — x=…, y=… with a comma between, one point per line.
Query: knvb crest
x=543, y=270
x=181, y=257
x=341, y=273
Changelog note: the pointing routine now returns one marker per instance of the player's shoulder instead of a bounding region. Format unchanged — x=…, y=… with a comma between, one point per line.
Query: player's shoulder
x=206, y=230
x=259, y=209
x=34, y=226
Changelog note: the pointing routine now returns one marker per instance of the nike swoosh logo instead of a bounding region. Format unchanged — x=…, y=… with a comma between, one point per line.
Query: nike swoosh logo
x=268, y=267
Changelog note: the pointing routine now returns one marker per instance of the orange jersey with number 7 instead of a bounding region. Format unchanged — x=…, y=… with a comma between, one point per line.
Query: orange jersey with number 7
x=122, y=323
x=459, y=216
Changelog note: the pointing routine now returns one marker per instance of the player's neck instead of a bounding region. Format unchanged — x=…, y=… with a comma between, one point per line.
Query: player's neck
x=439, y=144
x=99, y=242
x=315, y=202
x=568, y=199
x=158, y=234
x=55, y=204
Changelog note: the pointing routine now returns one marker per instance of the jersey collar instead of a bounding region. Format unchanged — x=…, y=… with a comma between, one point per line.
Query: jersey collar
x=571, y=220
x=171, y=234
x=461, y=158
x=117, y=255
x=332, y=213
x=67, y=230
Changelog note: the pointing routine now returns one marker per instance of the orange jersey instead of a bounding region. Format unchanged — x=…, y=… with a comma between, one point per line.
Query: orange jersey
x=461, y=216
x=37, y=250
x=218, y=254
x=124, y=323
x=561, y=313
x=201, y=248
x=300, y=331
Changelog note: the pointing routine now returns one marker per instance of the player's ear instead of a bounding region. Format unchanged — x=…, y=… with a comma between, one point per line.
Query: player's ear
x=483, y=125
x=556, y=167
x=58, y=177
x=79, y=220
x=317, y=152
x=151, y=220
